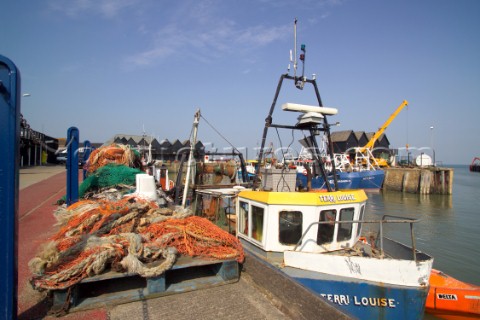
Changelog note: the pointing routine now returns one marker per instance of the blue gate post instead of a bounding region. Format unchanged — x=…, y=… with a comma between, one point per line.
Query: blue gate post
x=86, y=154
x=73, y=138
x=9, y=142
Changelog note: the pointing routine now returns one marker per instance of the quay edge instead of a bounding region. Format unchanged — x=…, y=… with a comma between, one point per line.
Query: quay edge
x=433, y=180
x=291, y=298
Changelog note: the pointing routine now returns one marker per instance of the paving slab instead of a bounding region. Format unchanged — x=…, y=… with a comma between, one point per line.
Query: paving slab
x=32, y=175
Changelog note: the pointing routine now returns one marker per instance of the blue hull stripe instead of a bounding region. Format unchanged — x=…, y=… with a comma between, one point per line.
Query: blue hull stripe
x=367, y=301
x=348, y=180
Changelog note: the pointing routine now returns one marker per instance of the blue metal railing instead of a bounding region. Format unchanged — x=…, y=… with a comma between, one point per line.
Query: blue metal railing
x=73, y=138
x=9, y=174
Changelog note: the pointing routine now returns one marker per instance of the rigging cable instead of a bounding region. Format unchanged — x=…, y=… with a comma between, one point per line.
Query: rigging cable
x=211, y=126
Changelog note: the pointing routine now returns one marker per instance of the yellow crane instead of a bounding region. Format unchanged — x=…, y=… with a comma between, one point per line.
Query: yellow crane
x=369, y=146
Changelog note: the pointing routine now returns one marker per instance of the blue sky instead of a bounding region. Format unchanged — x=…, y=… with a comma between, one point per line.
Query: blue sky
x=122, y=66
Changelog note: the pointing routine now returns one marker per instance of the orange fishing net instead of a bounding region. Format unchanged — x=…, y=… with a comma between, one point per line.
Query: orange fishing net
x=126, y=235
x=196, y=236
x=115, y=153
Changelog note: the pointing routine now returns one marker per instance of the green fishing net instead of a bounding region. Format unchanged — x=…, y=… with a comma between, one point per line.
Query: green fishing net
x=109, y=175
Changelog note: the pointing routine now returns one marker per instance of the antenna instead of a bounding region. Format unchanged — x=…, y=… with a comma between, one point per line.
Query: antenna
x=300, y=81
x=295, y=48
x=291, y=61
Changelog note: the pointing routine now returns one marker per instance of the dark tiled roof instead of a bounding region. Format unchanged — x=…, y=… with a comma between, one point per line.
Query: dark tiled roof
x=135, y=140
x=359, y=134
x=340, y=136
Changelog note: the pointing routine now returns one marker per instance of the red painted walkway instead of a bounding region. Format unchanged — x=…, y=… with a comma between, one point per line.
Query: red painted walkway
x=37, y=204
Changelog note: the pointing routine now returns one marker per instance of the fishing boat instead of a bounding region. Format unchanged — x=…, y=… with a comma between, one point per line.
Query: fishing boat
x=362, y=173
x=317, y=238
x=249, y=169
x=450, y=298
x=367, y=179
x=346, y=178
x=475, y=165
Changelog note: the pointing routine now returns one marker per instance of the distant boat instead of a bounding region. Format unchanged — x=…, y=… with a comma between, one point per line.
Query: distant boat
x=250, y=169
x=360, y=175
x=475, y=165
x=346, y=180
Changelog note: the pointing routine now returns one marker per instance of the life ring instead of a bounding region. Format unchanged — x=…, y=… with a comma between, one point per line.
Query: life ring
x=363, y=239
x=304, y=172
x=171, y=184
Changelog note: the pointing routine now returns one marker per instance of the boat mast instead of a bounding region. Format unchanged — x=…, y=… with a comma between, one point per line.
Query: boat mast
x=299, y=83
x=193, y=142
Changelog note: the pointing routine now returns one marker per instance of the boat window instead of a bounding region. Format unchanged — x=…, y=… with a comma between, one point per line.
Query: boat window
x=345, y=229
x=359, y=228
x=326, y=230
x=243, y=217
x=257, y=223
x=290, y=227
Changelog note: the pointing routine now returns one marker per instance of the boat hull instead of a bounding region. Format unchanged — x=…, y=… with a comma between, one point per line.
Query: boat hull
x=365, y=299
x=372, y=179
x=357, y=295
x=450, y=298
x=364, y=286
x=475, y=168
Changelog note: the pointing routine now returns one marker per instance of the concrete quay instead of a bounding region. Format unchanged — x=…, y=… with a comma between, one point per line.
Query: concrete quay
x=261, y=293
x=431, y=180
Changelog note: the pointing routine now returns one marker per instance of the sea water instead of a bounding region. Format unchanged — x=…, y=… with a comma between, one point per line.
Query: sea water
x=449, y=227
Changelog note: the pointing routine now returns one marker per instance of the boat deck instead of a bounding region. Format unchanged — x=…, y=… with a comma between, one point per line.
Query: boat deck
x=360, y=249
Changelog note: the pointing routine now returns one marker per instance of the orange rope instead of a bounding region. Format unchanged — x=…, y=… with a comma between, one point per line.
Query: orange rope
x=193, y=236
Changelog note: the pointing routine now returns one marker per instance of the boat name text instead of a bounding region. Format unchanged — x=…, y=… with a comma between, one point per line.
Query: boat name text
x=341, y=197
x=445, y=296
x=345, y=300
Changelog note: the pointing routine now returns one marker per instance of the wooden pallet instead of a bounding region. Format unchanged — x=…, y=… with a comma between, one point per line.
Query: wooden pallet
x=113, y=288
